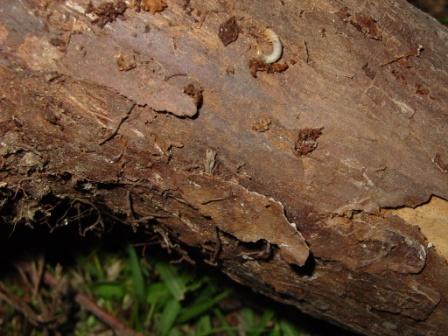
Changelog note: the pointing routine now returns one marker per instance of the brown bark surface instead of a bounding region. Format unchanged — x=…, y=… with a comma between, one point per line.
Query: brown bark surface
x=299, y=184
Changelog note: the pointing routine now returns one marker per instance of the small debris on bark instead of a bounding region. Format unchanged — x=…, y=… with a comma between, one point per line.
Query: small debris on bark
x=52, y=109
x=343, y=14
x=256, y=65
x=323, y=32
x=117, y=128
x=58, y=42
x=367, y=25
x=52, y=76
x=229, y=31
x=368, y=71
x=420, y=48
x=262, y=125
x=404, y=59
x=307, y=140
x=152, y=6
x=126, y=62
x=421, y=90
x=210, y=161
x=187, y=7
x=307, y=52
x=440, y=164
x=106, y=12
x=195, y=93
x=230, y=70
x=364, y=23
x=399, y=76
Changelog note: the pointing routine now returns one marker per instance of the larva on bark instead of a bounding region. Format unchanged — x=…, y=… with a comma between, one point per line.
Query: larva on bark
x=277, y=48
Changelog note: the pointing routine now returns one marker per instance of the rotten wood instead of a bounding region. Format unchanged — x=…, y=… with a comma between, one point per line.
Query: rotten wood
x=323, y=231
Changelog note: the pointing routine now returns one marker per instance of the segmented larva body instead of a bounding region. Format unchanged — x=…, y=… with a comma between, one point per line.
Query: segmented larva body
x=277, y=48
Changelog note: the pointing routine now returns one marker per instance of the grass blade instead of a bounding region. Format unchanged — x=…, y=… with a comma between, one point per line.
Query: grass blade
x=198, y=308
x=109, y=291
x=173, y=281
x=275, y=331
x=137, y=275
x=248, y=320
x=168, y=318
x=225, y=326
x=204, y=326
x=262, y=325
x=288, y=329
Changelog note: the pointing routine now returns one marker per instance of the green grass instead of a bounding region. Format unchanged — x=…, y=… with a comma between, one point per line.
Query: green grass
x=156, y=297
x=150, y=295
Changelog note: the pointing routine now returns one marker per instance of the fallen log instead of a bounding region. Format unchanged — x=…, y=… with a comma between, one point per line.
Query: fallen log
x=320, y=180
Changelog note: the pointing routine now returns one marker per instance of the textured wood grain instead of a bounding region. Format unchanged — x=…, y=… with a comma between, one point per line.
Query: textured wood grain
x=309, y=230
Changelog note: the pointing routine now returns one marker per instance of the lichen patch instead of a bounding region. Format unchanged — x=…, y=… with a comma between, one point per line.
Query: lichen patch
x=432, y=219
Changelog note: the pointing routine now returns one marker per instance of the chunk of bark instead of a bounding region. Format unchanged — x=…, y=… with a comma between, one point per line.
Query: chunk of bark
x=229, y=31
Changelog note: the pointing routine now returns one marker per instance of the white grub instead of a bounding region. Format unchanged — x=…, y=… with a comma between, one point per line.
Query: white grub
x=277, y=48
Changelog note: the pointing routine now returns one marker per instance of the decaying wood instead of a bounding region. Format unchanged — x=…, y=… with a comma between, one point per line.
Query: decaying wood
x=117, y=122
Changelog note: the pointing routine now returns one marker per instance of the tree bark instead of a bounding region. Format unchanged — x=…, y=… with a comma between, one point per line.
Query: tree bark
x=323, y=186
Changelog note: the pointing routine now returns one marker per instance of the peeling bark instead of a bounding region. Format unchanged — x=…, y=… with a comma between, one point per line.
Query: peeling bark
x=87, y=141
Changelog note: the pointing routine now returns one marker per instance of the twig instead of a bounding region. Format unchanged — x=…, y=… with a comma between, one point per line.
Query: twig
x=37, y=269
x=99, y=220
x=19, y=304
x=122, y=120
x=417, y=53
x=88, y=304
x=116, y=325
x=217, y=199
x=165, y=238
x=167, y=78
x=217, y=250
x=307, y=52
x=202, y=20
x=130, y=212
